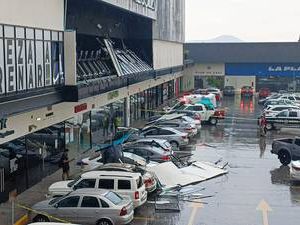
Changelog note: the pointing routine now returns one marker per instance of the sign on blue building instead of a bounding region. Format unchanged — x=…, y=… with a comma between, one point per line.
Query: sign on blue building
x=263, y=69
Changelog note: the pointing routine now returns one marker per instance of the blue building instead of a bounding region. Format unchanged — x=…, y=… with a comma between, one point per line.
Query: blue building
x=275, y=65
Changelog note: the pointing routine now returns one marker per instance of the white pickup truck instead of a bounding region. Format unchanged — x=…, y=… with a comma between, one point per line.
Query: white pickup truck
x=207, y=115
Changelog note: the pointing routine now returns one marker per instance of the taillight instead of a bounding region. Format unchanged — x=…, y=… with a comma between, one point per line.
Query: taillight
x=136, y=195
x=184, y=137
x=123, y=211
x=165, y=158
x=189, y=129
x=148, y=182
x=197, y=117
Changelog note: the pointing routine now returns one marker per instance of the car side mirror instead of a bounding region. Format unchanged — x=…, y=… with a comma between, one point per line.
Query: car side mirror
x=56, y=206
x=75, y=187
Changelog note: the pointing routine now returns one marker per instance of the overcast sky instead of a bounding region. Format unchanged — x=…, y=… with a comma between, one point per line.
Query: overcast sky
x=249, y=20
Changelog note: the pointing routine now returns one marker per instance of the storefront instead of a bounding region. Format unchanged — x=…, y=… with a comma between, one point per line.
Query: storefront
x=27, y=160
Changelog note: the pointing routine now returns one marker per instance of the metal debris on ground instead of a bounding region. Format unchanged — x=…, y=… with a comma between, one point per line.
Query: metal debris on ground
x=167, y=204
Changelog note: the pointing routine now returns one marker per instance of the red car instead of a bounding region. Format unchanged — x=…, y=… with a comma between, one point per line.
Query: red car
x=264, y=92
x=247, y=91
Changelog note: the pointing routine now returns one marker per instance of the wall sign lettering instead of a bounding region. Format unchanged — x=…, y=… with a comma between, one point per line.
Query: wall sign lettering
x=26, y=58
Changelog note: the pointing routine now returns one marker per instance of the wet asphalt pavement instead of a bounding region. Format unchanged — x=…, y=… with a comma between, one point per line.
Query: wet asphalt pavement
x=254, y=174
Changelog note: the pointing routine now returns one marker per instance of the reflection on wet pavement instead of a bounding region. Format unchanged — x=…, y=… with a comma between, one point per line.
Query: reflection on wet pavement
x=254, y=174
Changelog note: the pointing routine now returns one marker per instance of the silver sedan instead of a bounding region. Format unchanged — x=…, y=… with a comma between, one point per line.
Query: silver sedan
x=86, y=206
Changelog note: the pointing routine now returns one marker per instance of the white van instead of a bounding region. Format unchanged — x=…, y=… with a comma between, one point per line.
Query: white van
x=123, y=183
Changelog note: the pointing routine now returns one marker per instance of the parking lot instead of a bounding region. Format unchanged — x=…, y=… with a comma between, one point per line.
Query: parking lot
x=254, y=175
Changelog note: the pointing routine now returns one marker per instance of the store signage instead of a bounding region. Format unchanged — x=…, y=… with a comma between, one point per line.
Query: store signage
x=284, y=68
x=29, y=58
x=150, y=4
x=263, y=69
x=80, y=108
x=112, y=95
x=210, y=70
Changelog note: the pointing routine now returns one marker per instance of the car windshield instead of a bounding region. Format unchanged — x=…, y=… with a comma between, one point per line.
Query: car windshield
x=114, y=198
x=70, y=184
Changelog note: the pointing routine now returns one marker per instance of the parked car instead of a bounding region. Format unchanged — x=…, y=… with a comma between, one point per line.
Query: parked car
x=229, y=91
x=264, y=92
x=95, y=161
x=271, y=97
x=287, y=149
x=178, y=124
x=86, y=206
x=148, y=177
x=295, y=170
x=291, y=97
x=285, y=118
x=123, y=183
x=181, y=117
x=150, y=153
x=278, y=102
x=50, y=223
x=217, y=92
x=275, y=109
x=201, y=91
x=196, y=116
x=159, y=143
x=175, y=137
x=247, y=91
x=211, y=116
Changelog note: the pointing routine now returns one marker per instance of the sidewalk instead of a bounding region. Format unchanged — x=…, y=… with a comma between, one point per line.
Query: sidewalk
x=37, y=193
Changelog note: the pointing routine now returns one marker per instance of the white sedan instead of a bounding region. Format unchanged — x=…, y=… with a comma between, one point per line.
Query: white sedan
x=95, y=161
x=295, y=171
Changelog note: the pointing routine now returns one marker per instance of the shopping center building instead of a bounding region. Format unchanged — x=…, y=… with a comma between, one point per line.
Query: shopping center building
x=70, y=71
x=272, y=65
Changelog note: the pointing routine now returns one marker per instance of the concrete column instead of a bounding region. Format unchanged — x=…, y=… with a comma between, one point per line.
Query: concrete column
x=70, y=58
x=127, y=111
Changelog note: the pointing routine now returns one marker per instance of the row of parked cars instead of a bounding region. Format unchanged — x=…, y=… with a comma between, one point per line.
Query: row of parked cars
x=116, y=179
x=281, y=110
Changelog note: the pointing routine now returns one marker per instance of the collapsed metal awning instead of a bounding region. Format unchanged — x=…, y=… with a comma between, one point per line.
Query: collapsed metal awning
x=170, y=175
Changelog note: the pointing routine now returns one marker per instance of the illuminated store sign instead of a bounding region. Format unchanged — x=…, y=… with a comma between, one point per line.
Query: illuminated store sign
x=30, y=58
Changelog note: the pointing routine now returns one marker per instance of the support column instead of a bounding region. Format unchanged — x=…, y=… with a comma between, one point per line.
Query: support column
x=127, y=111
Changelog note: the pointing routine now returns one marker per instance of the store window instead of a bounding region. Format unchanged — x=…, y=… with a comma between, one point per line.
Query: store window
x=105, y=120
x=27, y=160
x=78, y=134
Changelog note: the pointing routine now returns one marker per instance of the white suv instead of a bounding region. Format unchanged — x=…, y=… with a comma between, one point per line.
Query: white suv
x=123, y=183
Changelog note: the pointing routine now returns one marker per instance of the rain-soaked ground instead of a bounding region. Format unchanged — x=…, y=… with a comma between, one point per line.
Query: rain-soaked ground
x=254, y=174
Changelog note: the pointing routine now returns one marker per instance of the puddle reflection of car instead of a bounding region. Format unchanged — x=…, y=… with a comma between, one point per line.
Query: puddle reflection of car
x=281, y=175
x=246, y=105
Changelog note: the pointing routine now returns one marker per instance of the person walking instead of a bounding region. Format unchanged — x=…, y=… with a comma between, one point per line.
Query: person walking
x=262, y=125
x=64, y=162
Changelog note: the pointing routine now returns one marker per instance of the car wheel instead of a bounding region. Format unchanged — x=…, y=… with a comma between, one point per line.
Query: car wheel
x=174, y=145
x=213, y=121
x=41, y=218
x=104, y=222
x=284, y=157
x=269, y=126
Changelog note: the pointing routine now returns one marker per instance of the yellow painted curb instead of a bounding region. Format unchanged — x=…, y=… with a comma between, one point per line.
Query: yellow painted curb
x=23, y=220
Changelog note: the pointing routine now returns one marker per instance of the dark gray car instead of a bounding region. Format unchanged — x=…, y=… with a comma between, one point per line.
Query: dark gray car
x=150, y=153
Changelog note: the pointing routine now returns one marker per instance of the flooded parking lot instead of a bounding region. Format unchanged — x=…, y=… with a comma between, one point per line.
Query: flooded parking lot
x=254, y=175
